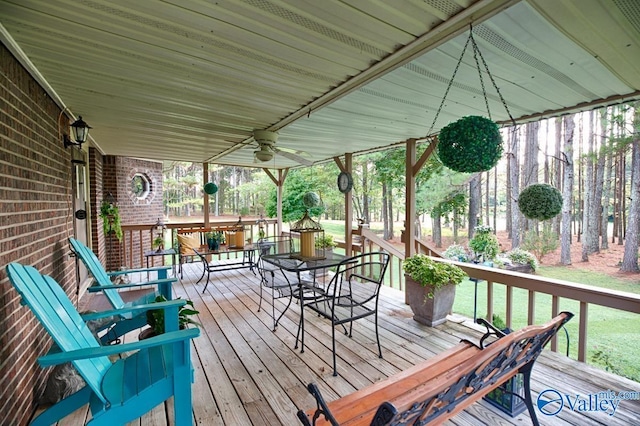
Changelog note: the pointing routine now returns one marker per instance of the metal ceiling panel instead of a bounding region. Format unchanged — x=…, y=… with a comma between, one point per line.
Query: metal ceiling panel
x=189, y=80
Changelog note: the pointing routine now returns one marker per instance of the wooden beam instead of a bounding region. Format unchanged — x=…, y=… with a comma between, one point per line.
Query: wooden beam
x=425, y=156
x=410, y=199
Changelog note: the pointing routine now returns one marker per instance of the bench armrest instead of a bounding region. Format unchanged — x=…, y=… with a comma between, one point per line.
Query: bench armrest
x=491, y=331
x=163, y=339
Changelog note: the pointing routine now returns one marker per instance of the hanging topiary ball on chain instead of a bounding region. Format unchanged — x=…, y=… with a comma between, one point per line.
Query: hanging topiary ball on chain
x=471, y=144
x=311, y=200
x=540, y=201
x=210, y=188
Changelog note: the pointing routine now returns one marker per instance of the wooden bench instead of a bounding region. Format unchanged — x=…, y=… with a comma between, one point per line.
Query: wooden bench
x=440, y=387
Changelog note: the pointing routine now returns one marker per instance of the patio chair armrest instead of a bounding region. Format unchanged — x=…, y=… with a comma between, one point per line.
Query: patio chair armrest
x=86, y=353
x=99, y=288
x=136, y=310
x=131, y=271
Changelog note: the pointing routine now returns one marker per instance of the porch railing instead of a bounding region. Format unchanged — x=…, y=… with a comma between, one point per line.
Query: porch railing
x=138, y=238
x=585, y=295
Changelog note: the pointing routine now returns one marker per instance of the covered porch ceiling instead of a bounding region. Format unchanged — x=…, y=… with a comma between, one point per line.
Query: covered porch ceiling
x=188, y=80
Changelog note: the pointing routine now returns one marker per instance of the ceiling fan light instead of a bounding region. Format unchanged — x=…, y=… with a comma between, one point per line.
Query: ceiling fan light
x=263, y=154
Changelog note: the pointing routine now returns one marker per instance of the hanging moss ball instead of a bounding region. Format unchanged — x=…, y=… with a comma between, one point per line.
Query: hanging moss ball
x=311, y=200
x=540, y=201
x=471, y=144
x=210, y=188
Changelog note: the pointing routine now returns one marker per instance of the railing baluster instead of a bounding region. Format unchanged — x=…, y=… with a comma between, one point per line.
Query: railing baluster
x=489, y=301
x=555, y=310
x=531, y=315
x=582, y=332
x=509, y=313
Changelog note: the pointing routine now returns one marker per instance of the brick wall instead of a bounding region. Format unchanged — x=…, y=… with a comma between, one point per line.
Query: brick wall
x=96, y=196
x=117, y=175
x=35, y=221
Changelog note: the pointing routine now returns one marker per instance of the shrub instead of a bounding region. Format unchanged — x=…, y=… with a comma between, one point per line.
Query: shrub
x=540, y=244
x=540, y=201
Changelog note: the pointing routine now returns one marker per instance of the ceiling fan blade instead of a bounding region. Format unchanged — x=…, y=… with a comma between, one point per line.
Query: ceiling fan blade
x=295, y=156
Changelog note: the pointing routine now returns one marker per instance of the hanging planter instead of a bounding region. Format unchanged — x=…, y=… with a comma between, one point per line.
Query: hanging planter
x=540, y=201
x=472, y=144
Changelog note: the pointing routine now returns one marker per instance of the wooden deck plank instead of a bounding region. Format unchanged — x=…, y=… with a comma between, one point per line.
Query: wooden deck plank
x=248, y=374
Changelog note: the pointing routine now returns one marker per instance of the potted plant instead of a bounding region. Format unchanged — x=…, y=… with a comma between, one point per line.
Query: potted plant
x=325, y=242
x=158, y=243
x=214, y=239
x=111, y=220
x=520, y=260
x=431, y=288
x=484, y=244
x=155, y=318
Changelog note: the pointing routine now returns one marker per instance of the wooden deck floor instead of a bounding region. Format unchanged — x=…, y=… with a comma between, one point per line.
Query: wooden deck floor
x=247, y=374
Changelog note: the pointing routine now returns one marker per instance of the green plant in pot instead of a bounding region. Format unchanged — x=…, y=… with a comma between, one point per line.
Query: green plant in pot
x=484, y=243
x=155, y=318
x=325, y=242
x=110, y=215
x=430, y=287
x=158, y=243
x=214, y=239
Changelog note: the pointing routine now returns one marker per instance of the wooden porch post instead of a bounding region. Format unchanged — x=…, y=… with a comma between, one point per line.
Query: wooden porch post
x=348, y=204
x=410, y=208
x=205, y=179
x=279, y=182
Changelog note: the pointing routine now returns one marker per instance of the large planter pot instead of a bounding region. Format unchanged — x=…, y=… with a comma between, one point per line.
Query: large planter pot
x=429, y=311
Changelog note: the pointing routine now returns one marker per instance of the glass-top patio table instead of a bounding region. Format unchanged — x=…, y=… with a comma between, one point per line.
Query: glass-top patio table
x=295, y=263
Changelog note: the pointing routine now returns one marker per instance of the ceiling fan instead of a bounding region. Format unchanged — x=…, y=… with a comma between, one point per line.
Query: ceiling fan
x=267, y=148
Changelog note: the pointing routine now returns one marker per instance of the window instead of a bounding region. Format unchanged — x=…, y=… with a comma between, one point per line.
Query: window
x=140, y=186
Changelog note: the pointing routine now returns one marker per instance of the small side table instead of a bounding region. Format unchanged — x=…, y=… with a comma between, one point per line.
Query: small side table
x=168, y=252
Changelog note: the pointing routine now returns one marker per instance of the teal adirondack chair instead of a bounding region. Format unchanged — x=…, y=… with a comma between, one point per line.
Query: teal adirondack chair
x=117, y=392
x=127, y=322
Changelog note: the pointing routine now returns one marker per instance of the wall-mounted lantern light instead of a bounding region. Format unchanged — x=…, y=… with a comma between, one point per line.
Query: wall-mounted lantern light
x=80, y=133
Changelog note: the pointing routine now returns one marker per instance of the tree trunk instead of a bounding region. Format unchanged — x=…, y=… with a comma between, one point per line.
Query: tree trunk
x=389, y=235
x=365, y=193
x=567, y=192
x=385, y=211
x=437, y=230
x=514, y=180
x=630, y=258
x=592, y=230
x=487, y=209
x=557, y=168
x=475, y=195
x=531, y=165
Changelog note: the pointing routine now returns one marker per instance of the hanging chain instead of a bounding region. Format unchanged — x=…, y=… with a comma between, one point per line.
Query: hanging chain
x=477, y=52
x=495, y=86
x=455, y=71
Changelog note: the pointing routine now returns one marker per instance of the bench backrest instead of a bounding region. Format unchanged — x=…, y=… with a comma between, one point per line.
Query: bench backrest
x=90, y=260
x=52, y=307
x=475, y=377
